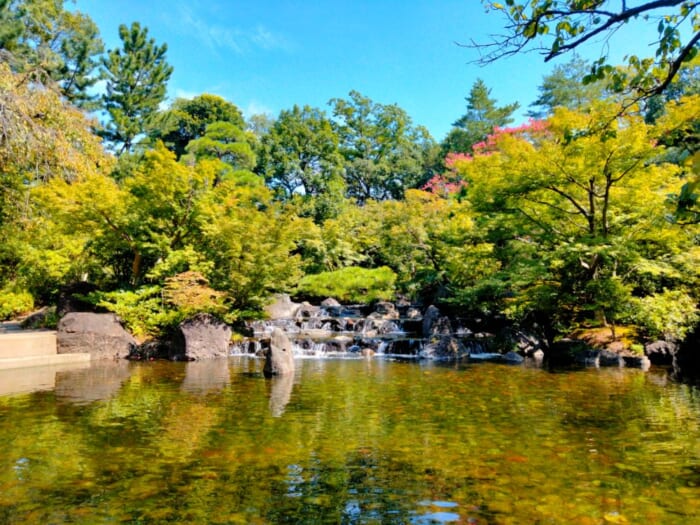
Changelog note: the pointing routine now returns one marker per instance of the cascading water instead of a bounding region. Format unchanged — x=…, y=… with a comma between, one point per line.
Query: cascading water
x=345, y=331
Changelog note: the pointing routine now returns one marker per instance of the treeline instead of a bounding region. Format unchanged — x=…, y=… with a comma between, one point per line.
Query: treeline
x=585, y=216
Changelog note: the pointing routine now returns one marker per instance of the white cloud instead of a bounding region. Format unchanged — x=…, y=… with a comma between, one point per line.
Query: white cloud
x=221, y=38
x=256, y=108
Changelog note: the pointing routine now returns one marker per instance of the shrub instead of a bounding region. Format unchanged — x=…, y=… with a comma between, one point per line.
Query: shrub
x=13, y=303
x=350, y=284
x=672, y=313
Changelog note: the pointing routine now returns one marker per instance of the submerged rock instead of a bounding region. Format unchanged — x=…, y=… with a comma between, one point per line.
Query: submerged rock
x=279, y=357
x=610, y=358
x=637, y=361
x=513, y=358
x=100, y=335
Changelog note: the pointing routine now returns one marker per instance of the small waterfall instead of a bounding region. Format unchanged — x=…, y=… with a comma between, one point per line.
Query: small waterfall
x=345, y=331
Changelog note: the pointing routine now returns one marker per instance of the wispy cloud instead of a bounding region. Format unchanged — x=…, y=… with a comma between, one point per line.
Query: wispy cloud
x=256, y=108
x=217, y=37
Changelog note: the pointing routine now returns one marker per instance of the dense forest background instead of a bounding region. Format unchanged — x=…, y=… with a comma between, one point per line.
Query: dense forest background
x=585, y=216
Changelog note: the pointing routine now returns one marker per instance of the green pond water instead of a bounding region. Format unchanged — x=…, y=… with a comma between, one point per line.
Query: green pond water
x=347, y=441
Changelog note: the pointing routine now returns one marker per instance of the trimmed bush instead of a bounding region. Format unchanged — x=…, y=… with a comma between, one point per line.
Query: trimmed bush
x=350, y=285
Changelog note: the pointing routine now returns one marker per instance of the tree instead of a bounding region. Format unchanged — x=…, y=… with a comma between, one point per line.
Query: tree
x=42, y=138
x=384, y=153
x=230, y=147
x=556, y=27
x=578, y=207
x=564, y=87
x=187, y=119
x=300, y=156
x=52, y=45
x=479, y=121
x=137, y=77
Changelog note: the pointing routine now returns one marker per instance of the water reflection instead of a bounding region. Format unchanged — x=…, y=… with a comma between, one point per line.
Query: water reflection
x=208, y=375
x=280, y=393
x=358, y=442
x=34, y=379
x=99, y=381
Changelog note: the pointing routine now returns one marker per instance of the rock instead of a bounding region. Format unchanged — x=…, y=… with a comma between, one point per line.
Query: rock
x=610, y=358
x=528, y=344
x=486, y=356
x=279, y=357
x=637, y=361
x=70, y=300
x=513, y=358
x=588, y=357
x=661, y=352
x=307, y=311
x=100, y=335
x=413, y=313
x=282, y=308
x=367, y=352
x=201, y=337
x=443, y=326
x=447, y=348
x=566, y=351
x=431, y=315
x=39, y=319
x=386, y=310
x=332, y=306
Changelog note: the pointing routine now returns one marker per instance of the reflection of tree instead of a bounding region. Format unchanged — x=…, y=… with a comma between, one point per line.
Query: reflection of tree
x=358, y=444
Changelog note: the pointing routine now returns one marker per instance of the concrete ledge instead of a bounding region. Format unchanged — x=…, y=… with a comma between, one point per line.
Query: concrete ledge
x=42, y=360
x=27, y=344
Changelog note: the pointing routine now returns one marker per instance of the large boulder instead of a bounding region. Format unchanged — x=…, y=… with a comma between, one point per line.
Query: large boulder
x=201, y=337
x=279, y=357
x=384, y=310
x=447, y=348
x=431, y=315
x=661, y=352
x=282, y=308
x=100, y=335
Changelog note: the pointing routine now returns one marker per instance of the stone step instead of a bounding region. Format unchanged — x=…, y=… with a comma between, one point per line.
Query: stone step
x=42, y=360
x=27, y=344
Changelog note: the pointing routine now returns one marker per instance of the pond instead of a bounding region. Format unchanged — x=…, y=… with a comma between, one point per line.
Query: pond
x=347, y=441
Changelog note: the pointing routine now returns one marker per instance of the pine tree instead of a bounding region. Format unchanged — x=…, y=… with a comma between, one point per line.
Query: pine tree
x=137, y=77
x=479, y=121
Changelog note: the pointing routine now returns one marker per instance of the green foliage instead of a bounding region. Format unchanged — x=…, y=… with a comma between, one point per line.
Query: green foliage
x=384, y=153
x=671, y=314
x=300, y=158
x=187, y=120
x=479, y=121
x=351, y=284
x=144, y=311
x=564, y=87
x=14, y=302
x=561, y=26
x=52, y=45
x=137, y=76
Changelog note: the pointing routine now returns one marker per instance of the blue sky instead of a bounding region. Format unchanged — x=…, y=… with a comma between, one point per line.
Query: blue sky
x=267, y=55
